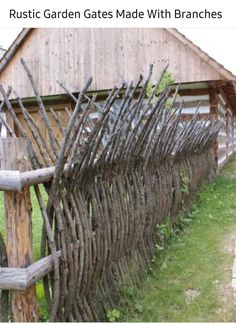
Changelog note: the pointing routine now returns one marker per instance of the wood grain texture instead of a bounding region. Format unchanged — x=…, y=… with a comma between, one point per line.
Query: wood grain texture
x=14, y=156
x=10, y=180
x=23, y=278
x=4, y=293
x=110, y=55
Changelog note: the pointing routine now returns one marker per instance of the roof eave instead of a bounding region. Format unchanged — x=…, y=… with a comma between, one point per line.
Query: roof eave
x=13, y=48
x=204, y=56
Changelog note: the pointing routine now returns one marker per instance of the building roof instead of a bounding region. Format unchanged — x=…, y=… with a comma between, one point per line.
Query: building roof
x=204, y=56
x=14, y=47
x=2, y=52
x=226, y=74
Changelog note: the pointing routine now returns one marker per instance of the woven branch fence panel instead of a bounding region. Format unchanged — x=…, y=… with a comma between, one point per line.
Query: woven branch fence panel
x=114, y=181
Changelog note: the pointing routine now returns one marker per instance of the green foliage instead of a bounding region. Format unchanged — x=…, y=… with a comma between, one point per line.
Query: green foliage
x=165, y=233
x=43, y=314
x=113, y=315
x=166, y=81
x=128, y=291
x=43, y=307
x=168, y=234
x=138, y=308
x=184, y=183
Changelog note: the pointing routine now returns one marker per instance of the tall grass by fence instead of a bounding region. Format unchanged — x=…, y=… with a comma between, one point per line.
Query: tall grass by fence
x=113, y=182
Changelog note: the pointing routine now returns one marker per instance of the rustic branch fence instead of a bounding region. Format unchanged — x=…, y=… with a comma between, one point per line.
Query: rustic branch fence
x=109, y=184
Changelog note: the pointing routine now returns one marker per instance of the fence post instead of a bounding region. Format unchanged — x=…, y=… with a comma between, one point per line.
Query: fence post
x=214, y=114
x=13, y=154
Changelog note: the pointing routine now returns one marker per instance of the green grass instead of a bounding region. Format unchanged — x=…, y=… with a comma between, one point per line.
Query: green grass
x=36, y=221
x=195, y=263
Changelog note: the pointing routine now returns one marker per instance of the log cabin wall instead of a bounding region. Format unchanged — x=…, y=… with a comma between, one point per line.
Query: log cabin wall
x=214, y=105
x=194, y=98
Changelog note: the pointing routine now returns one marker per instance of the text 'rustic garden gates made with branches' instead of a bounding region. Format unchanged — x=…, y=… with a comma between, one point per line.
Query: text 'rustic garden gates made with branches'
x=109, y=184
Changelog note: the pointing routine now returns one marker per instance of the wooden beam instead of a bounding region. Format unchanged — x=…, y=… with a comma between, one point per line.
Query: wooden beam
x=10, y=180
x=228, y=104
x=13, y=278
x=193, y=92
x=213, y=102
x=22, y=279
x=34, y=177
x=16, y=180
x=193, y=104
x=13, y=156
x=215, y=114
x=39, y=269
x=185, y=117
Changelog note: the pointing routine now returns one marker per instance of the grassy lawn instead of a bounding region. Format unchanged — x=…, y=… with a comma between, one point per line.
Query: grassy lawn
x=190, y=280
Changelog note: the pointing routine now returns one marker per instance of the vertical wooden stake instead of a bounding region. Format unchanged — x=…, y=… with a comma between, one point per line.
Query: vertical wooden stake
x=13, y=153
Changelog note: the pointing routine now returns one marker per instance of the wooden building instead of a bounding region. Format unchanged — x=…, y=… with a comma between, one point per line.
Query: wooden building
x=116, y=54
x=217, y=99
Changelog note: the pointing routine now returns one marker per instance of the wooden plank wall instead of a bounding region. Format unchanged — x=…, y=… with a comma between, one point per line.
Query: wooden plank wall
x=191, y=100
x=109, y=55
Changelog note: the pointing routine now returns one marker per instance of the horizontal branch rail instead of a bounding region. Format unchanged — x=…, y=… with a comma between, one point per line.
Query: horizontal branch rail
x=16, y=180
x=23, y=278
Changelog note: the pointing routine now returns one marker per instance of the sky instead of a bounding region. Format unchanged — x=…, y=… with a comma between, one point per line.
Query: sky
x=216, y=42
x=7, y=36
